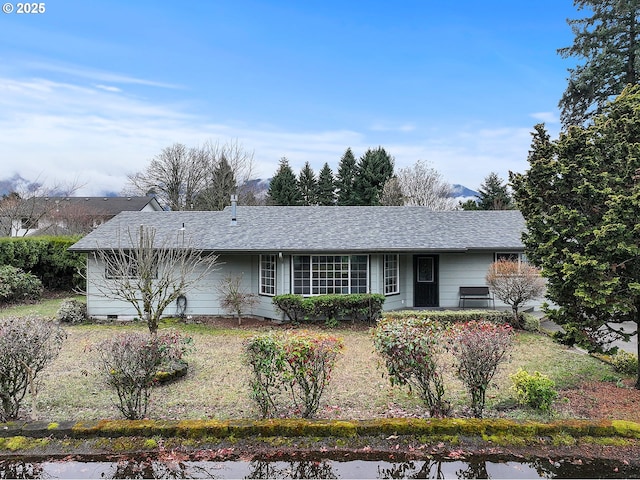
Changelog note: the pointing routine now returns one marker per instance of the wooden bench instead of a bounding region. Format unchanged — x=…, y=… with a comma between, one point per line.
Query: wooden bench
x=475, y=293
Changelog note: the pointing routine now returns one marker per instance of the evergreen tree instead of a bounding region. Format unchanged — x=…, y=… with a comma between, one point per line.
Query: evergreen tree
x=581, y=202
x=347, y=172
x=494, y=194
x=609, y=42
x=217, y=194
x=308, y=185
x=326, y=187
x=374, y=168
x=283, y=188
x=468, y=205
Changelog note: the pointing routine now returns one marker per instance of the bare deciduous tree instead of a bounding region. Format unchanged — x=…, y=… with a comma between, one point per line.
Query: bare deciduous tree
x=423, y=185
x=184, y=178
x=175, y=176
x=149, y=273
x=515, y=283
x=24, y=207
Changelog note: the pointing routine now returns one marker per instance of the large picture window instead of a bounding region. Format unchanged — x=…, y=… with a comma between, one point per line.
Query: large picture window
x=391, y=274
x=268, y=274
x=330, y=274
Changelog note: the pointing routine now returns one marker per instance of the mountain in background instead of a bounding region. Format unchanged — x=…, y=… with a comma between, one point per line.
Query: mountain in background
x=460, y=191
x=259, y=186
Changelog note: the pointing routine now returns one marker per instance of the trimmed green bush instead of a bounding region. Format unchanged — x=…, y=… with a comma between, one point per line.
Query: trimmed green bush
x=625, y=362
x=530, y=322
x=18, y=285
x=535, y=390
x=365, y=307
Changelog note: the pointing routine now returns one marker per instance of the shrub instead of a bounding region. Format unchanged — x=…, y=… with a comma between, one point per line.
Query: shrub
x=412, y=351
x=292, y=306
x=46, y=257
x=625, y=362
x=72, y=311
x=537, y=390
x=299, y=363
x=479, y=347
x=129, y=363
x=365, y=307
x=263, y=353
x=18, y=285
x=310, y=359
x=27, y=346
x=234, y=298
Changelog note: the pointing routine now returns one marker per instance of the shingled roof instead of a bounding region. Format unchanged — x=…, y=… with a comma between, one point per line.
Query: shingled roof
x=107, y=206
x=320, y=229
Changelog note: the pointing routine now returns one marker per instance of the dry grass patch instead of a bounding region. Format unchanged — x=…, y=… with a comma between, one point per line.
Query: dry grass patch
x=216, y=385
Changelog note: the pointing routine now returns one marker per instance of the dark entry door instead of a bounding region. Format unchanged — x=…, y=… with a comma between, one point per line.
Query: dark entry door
x=425, y=277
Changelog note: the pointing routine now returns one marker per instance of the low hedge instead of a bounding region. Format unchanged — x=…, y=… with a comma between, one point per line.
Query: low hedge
x=530, y=322
x=363, y=307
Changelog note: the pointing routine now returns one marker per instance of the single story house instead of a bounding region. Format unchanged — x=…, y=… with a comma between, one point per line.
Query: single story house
x=416, y=257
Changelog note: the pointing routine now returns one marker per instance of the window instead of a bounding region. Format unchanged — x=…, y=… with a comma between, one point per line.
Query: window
x=28, y=223
x=519, y=258
x=268, y=274
x=425, y=270
x=330, y=274
x=120, y=267
x=391, y=274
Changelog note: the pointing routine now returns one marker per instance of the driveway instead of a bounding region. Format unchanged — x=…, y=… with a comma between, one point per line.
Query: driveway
x=631, y=346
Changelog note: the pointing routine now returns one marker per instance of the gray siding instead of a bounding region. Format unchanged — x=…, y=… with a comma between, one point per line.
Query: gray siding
x=455, y=270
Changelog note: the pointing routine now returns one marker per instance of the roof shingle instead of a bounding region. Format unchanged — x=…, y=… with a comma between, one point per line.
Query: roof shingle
x=320, y=229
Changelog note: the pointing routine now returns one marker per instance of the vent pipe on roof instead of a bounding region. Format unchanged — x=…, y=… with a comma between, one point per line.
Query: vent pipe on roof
x=234, y=201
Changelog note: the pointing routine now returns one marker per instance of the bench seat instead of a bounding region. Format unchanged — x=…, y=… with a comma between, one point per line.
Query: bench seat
x=476, y=293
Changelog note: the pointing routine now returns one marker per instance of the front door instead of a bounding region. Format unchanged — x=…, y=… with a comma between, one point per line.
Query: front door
x=425, y=275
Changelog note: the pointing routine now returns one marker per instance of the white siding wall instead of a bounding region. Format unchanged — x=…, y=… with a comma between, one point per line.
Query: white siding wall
x=455, y=270
x=462, y=270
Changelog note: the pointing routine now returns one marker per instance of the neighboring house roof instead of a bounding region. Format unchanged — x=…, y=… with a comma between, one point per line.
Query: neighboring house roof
x=107, y=206
x=320, y=229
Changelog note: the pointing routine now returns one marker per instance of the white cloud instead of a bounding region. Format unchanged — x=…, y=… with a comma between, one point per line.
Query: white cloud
x=97, y=75
x=108, y=88
x=100, y=134
x=546, y=117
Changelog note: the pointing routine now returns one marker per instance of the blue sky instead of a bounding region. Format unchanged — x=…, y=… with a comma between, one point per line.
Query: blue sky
x=92, y=90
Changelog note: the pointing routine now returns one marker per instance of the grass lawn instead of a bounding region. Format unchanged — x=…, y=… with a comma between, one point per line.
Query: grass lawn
x=216, y=385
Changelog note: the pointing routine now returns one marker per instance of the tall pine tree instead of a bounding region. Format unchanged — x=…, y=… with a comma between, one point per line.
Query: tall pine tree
x=494, y=194
x=308, y=185
x=347, y=172
x=326, y=186
x=374, y=168
x=283, y=188
x=609, y=43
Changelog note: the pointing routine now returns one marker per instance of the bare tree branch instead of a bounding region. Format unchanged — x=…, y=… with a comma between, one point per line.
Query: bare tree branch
x=150, y=273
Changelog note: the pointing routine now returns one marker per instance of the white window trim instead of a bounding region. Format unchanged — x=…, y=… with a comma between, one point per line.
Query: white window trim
x=311, y=271
x=396, y=274
x=263, y=277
